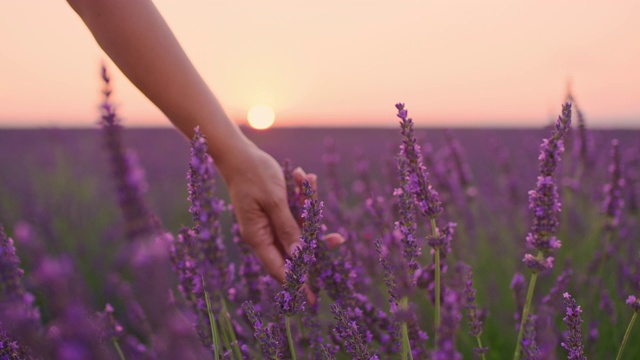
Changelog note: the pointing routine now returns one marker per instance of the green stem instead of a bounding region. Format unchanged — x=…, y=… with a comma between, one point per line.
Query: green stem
x=434, y=230
x=626, y=335
x=230, y=329
x=118, y=349
x=480, y=346
x=214, y=327
x=289, y=338
x=406, y=345
x=525, y=311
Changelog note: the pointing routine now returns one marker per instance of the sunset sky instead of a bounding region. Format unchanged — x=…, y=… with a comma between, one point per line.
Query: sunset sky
x=346, y=63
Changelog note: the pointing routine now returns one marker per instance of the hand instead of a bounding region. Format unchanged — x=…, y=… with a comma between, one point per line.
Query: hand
x=258, y=193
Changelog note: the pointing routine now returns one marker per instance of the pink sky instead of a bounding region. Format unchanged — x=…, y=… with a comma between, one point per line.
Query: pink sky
x=454, y=63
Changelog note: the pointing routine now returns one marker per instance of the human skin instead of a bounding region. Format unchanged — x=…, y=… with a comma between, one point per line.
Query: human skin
x=138, y=40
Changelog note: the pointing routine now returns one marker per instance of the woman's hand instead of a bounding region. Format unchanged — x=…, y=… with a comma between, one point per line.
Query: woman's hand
x=258, y=192
x=138, y=40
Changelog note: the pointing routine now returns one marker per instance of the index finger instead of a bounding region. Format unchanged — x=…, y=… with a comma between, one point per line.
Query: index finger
x=271, y=258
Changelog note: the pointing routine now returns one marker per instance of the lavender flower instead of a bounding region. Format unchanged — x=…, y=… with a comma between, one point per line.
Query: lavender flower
x=607, y=306
x=190, y=282
x=518, y=288
x=11, y=350
x=127, y=173
x=543, y=200
x=293, y=197
x=529, y=346
x=348, y=331
x=268, y=336
x=613, y=201
x=573, y=341
x=584, y=141
x=417, y=184
x=326, y=353
x=389, y=278
x=462, y=169
x=558, y=287
x=110, y=326
x=290, y=300
x=205, y=210
x=10, y=272
x=634, y=302
x=442, y=241
x=473, y=318
x=250, y=268
x=406, y=225
x=451, y=316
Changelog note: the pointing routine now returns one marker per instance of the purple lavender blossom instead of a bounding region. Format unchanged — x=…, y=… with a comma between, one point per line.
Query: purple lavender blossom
x=10, y=272
x=126, y=171
x=558, y=287
x=205, y=210
x=607, y=306
x=250, y=270
x=573, y=341
x=190, y=282
x=543, y=200
x=451, y=316
x=529, y=345
x=518, y=288
x=134, y=311
x=348, y=331
x=18, y=313
x=291, y=300
x=109, y=325
x=462, y=170
x=584, y=142
x=406, y=224
x=326, y=353
x=473, y=316
x=613, y=201
x=11, y=350
x=389, y=278
x=293, y=197
x=417, y=184
x=268, y=336
x=443, y=241
x=634, y=302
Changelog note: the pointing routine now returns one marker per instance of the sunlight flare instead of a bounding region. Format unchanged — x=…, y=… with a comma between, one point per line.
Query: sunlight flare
x=261, y=117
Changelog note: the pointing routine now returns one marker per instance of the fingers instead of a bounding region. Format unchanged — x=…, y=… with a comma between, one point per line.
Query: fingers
x=300, y=175
x=285, y=226
x=271, y=258
x=334, y=240
x=311, y=298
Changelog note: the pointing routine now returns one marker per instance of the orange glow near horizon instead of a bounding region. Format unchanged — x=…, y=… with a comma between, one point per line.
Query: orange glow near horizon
x=337, y=63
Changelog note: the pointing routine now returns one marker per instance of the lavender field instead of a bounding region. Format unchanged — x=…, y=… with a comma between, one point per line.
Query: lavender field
x=101, y=258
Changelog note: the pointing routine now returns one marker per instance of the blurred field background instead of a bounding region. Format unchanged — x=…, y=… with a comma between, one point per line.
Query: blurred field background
x=58, y=181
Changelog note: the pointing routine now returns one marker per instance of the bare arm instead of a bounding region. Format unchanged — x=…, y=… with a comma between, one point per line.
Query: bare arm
x=138, y=40
x=136, y=37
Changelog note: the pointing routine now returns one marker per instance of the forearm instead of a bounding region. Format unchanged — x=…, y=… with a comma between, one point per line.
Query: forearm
x=138, y=40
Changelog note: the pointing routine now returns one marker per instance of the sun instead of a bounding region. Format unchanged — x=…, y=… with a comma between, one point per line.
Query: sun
x=261, y=117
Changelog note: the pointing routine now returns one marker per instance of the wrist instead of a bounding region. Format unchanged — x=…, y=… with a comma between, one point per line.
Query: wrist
x=232, y=152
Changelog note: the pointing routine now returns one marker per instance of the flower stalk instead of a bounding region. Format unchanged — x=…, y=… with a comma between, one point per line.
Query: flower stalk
x=635, y=305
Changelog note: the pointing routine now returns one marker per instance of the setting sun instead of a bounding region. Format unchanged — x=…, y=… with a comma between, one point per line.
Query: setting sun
x=260, y=117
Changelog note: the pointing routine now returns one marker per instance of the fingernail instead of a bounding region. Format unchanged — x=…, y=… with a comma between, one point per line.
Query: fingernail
x=298, y=170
